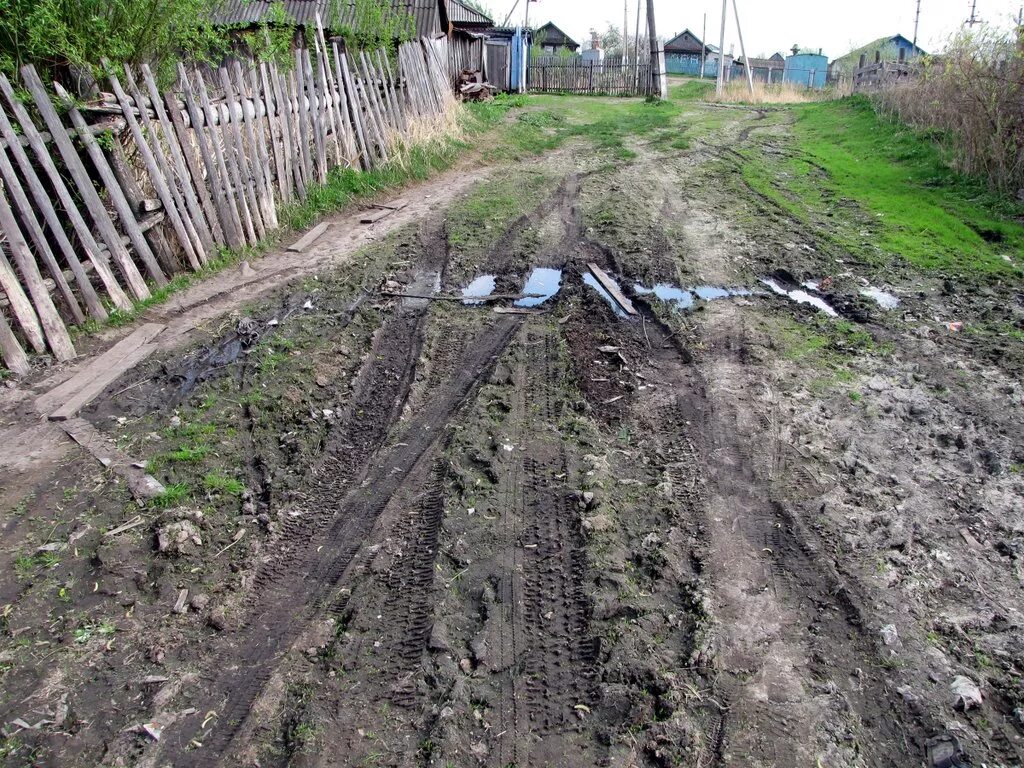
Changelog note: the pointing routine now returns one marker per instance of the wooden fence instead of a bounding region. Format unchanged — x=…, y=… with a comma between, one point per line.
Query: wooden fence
x=882, y=74
x=554, y=75
x=88, y=231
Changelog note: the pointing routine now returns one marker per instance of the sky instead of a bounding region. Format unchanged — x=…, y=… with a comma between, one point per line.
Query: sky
x=772, y=25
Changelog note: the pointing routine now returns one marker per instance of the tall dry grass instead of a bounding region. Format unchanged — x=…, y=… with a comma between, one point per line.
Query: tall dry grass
x=973, y=97
x=738, y=92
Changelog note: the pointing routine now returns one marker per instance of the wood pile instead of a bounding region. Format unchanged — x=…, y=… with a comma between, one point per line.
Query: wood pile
x=473, y=87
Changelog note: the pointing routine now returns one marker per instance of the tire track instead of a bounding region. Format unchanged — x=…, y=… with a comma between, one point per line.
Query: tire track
x=298, y=592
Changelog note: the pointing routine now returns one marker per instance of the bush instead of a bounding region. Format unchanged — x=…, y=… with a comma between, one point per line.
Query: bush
x=971, y=98
x=59, y=35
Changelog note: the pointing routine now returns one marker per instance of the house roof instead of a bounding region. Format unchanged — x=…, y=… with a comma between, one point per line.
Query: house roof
x=549, y=34
x=429, y=16
x=463, y=15
x=888, y=46
x=687, y=42
x=775, y=62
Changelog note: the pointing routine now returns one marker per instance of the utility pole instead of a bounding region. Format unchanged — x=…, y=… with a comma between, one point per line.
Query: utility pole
x=526, y=45
x=636, y=46
x=917, y=21
x=974, y=14
x=660, y=82
x=721, y=51
x=743, y=49
x=703, y=45
x=625, y=32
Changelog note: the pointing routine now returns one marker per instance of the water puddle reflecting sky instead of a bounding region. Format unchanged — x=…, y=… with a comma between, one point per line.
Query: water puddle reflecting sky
x=800, y=296
x=480, y=288
x=543, y=283
x=592, y=281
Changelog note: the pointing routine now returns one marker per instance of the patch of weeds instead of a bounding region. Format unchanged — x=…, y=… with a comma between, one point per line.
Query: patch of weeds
x=855, y=396
x=24, y=566
x=222, y=484
x=88, y=631
x=187, y=454
x=480, y=218
x=172, y=495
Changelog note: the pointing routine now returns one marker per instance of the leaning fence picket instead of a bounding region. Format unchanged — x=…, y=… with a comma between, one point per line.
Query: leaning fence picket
x=45, y=205
x=99, y=160
x=217, y=163
x=157, y=174
x=21, y=203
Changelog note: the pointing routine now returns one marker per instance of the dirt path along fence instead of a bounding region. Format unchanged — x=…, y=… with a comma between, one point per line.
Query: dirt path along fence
x=104, y=200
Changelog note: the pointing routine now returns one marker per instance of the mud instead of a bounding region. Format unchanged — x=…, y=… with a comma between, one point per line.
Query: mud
x=735, y=529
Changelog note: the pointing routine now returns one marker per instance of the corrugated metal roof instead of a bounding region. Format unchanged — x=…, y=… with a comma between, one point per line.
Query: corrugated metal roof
x=460, y=13
x=425, y=13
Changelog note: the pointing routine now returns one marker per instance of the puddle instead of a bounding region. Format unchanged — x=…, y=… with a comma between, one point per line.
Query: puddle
x=543, y=283
x=683, y=298
x=592, y=281
x=480, y=288
x=800, y=297
x=884, y=299
x=672, y=294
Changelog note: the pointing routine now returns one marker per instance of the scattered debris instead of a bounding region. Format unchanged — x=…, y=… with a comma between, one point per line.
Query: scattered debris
x=179, y=538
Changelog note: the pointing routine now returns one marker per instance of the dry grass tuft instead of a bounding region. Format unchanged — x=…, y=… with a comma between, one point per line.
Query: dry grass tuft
x=738, y=92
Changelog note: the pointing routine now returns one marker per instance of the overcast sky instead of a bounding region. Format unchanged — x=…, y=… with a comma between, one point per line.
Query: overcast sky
x=772, y=25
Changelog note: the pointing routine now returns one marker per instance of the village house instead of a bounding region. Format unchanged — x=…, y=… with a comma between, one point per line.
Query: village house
x=890, y=49
x=552, y=40
x=685, y=53
x=764, y=70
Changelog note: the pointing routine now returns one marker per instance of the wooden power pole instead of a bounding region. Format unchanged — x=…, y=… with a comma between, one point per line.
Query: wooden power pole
x=743, y=49
x=917, y=21
x=721, y=50
x=660, y=81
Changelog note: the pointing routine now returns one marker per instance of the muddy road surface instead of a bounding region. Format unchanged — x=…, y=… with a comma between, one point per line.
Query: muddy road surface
x=767, y=511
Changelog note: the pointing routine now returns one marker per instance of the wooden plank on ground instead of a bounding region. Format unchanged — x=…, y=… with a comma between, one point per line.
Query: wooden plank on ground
x=613, y=289
x=110, y=362
x=371, y=217
x=142, y=485
x=308, y=239
x=395, y=205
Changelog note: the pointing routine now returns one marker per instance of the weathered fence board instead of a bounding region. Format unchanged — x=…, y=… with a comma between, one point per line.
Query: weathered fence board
x=555, y=75
x=215, y=164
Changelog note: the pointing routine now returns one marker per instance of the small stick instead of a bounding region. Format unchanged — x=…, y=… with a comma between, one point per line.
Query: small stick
x=643, y=323
x=238, y=538
x=133, y=523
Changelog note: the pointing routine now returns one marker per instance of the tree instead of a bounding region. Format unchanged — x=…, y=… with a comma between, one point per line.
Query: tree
x=611, y=40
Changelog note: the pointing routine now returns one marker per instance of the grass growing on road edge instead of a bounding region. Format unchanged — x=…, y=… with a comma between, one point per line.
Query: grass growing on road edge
x=922, y=210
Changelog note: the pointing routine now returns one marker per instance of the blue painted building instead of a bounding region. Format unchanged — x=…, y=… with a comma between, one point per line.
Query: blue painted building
x=809, y=70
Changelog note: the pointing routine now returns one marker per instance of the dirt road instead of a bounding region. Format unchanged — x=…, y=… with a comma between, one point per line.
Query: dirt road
x=769, y=520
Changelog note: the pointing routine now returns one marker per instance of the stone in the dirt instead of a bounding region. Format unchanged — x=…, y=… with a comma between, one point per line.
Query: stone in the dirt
x=966, y=693
x=218, y=618
x=891, y=637
x=199, y=601
x=179, y=538
x=598, y=523
x=175, y=422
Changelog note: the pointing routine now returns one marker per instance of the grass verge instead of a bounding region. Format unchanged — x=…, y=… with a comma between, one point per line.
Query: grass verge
x=914, y=206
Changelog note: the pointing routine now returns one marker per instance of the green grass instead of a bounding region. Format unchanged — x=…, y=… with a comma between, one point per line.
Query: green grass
x=913, y=206
x=173, y=495
x=475, y=221
x=219, y=483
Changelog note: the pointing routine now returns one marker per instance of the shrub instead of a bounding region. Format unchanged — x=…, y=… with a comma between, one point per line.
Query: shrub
x=970, y=98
